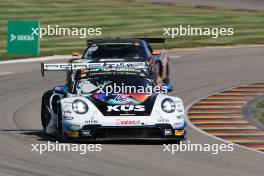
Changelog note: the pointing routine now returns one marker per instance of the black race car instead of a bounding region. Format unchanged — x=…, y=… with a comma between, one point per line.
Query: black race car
x=135, y=52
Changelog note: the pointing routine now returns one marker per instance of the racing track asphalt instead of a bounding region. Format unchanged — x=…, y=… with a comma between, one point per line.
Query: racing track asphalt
x=196, y=74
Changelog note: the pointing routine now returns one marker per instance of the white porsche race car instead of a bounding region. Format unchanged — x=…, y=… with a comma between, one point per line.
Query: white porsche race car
x=89, y=108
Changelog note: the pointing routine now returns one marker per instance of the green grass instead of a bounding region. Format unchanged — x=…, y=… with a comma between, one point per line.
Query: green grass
x=259, y=111
x=123, y=18
x=260, y=104
x=260, y=117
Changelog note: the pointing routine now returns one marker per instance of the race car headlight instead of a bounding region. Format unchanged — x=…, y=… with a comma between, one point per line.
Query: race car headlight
x=168, y=105
x=79, y=106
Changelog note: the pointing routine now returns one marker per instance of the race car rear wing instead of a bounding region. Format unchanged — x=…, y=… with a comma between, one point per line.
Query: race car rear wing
x=152, y=40
x=78, y=66
x=116, y=40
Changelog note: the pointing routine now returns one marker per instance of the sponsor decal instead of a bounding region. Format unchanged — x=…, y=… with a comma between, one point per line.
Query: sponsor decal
x=67, y=105
x=67, y=117
x=73, y=126
x=67, y=111
x=128, y=122
x=141, y=105
x=179, y=125
x=86, y=133
x=70, y=127
x=12, y=38
x=22, y=37
x=67, y=102
x=163, y=120
x=123, y=98
x=168, y=132
x=125, y=108
x=116, y=98
x=19, y=38
x=91, y=122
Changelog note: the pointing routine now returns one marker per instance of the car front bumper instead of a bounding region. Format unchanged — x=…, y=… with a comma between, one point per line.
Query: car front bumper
x=155, y=132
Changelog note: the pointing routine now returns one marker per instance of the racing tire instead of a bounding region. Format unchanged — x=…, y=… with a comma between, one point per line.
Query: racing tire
x=43, y=117
x=44, y=112
x=157, y=71
x=61, y=137
x=154, y=70
x=167, y=79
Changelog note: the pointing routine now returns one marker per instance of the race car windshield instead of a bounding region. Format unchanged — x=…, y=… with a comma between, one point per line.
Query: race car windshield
x=119, y=51
x=117, y=84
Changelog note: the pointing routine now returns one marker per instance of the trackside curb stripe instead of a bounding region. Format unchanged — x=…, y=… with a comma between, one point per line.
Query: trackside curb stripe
x=220, y=115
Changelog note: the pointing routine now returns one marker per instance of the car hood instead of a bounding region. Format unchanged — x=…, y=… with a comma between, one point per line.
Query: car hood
x=136, y=104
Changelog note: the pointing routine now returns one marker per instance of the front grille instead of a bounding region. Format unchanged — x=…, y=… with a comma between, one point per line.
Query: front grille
x=126, y=132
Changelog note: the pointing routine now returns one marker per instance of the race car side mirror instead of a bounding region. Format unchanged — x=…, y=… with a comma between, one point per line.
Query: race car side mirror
x=156, y=52
x=76, y=54
x=168, y=88
x=60, y=90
